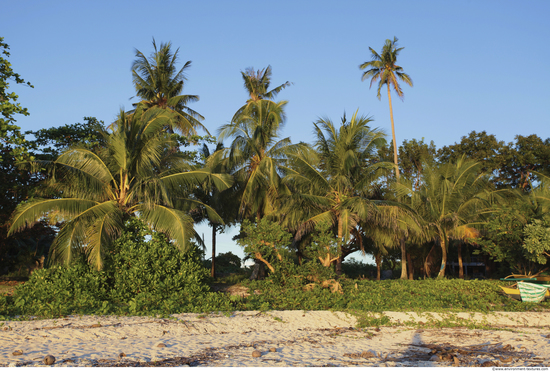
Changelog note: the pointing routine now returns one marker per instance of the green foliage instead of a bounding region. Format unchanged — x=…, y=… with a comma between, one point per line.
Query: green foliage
x=159, y=84
x=353, y=268
x=9, y=133
x=503, y=237
x=226, y=264
x=50, y=143
x=452, y=295
x=323, y=241
x=59, y=291
x=509, y=164
x=137, y=173
x=537, y=241
x=266, y=238
x=153, y=267
x=143, y=274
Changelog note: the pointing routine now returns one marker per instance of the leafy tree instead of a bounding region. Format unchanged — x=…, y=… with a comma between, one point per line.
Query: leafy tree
x=135, y=174
x=509, y=164
x=412, y=155
x=10, y=135
x=266, y=241
x=48, y=144
x=383, y=68
x=159, y=84
x=528, y=156
x=449, y=201
x=505, y=233
x=537, y=241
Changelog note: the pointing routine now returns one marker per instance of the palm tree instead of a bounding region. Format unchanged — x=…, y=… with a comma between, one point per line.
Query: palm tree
x=383, y=68
x=257, y=84
x=159, y=84
x=450, y=201
x=225, y=202
x=257, y=154
x=331, y=186
x=135, y=174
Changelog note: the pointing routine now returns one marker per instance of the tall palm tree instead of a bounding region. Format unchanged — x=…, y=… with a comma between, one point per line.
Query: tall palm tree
x=383, y=68
x=257, y=84
x=159, y=84
x=450, y=201
x=331, y=186
x=135, y=174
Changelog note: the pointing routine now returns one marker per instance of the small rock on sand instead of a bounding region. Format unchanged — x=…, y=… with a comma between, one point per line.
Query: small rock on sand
x=161, y=345
x=272, y=350
x=49, y=360
x=256, y=354
x=18, y=353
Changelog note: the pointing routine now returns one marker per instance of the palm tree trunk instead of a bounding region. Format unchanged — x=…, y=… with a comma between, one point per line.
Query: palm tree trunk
x=460, y=265
x=410, y=266
x=443, y=243
x=426, y=265
x=213, y=273
x=339, y=251
x=378, y=259
x=393, y=136
x=403, y=259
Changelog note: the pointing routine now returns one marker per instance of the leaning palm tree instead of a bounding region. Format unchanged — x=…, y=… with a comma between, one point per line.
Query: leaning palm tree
x=382, y=67
x=450, y=202
x=159, y=84
x=331, y=186
x=135, y=174
x=257, y=84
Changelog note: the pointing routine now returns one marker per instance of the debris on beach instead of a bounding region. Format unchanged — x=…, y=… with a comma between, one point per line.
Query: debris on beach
x=49, y=360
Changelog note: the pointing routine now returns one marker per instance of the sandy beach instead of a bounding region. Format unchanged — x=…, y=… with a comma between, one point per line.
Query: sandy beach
x=277, y=338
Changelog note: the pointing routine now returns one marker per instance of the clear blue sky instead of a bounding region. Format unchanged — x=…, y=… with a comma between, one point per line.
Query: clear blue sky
x=476, y=65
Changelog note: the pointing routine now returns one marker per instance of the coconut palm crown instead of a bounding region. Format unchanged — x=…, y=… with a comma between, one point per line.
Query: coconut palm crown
x=135, y=174
x=257, y=153
x=159, y=84
x=256, y=84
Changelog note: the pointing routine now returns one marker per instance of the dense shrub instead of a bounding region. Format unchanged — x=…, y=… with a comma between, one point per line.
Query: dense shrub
x=143, y=273
x=144, y=263
x=60, y=290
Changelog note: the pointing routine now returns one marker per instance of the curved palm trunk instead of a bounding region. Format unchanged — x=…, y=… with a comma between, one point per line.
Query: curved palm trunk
x=403, y=259
x=443, y=243
x=427, y=272
x=393, y=136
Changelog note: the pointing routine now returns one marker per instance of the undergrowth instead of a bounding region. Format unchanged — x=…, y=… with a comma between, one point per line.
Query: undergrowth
x=148, y=276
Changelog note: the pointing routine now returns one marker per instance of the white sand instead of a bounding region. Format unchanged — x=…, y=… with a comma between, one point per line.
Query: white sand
x=299, y=338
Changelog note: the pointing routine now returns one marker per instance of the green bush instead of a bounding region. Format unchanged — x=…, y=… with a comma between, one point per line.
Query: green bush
x=59, y=290
x=144, y=264
x=143, y=274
